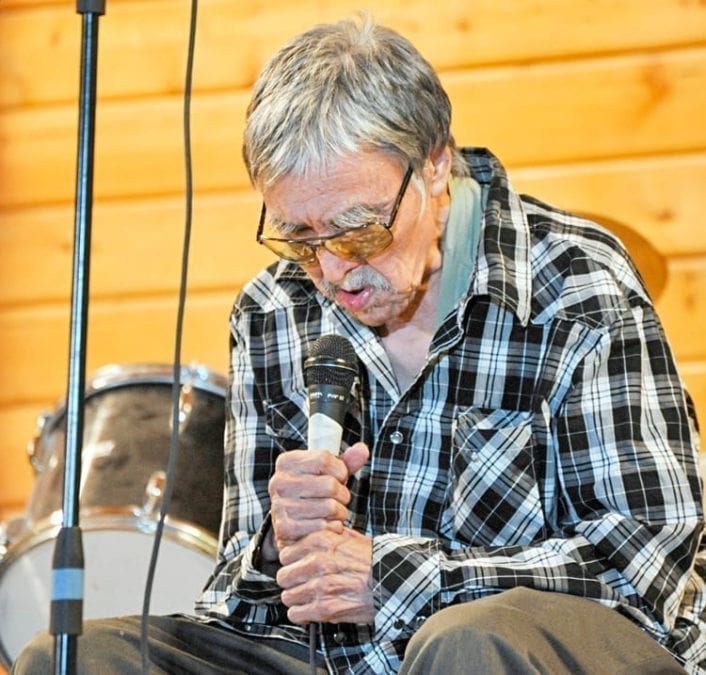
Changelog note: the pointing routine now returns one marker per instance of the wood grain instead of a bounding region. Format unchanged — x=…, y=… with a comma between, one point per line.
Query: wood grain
x=143, y=43
x=530, y=115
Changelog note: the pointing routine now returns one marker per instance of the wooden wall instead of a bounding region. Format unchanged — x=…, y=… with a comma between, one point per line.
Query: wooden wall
x=594, y=105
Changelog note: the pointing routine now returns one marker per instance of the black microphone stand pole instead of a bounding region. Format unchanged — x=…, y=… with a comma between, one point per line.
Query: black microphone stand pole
x=68, y=568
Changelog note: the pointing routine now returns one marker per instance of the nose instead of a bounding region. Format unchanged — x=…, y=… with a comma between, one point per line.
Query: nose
x=333, y=268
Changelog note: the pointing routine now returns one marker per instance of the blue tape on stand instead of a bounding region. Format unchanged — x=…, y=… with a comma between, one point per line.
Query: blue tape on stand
x=67, y=584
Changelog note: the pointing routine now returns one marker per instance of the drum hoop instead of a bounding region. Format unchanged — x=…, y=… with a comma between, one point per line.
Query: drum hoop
x=116, y=519
x=94, y=520
x=116, y=376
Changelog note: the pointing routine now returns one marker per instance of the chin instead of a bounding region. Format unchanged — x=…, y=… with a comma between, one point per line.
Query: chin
x=371, y=318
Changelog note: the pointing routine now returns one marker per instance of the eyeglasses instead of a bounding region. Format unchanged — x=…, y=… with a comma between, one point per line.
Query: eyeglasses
x=356, y=244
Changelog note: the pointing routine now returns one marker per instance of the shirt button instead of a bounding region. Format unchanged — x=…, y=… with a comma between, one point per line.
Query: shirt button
x=339, y=637
x=399, y=624
x=420, y=620
x=396, y=437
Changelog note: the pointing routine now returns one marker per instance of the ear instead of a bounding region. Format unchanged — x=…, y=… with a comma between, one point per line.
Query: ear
x=441, y=171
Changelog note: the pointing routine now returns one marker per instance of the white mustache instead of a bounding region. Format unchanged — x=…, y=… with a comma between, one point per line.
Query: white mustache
x=362, y=277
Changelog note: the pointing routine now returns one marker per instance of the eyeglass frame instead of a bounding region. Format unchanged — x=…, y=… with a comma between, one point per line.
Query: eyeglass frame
x=316, y=243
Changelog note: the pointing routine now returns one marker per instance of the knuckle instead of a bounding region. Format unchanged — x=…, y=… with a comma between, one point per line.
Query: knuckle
x=331, y=484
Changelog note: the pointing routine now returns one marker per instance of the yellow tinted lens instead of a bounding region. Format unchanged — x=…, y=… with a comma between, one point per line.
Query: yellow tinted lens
x=361, y=243
x=290, y=250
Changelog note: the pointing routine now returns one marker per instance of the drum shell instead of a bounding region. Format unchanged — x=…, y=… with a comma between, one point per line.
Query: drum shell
x=127, y=438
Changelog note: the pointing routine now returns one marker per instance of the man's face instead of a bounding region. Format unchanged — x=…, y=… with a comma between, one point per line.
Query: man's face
x=387, y=288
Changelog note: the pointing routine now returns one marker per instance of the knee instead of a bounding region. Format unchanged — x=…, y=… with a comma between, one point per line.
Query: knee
x=112, y=641
x=36, y=656
x=500, y=614
x=485, y=632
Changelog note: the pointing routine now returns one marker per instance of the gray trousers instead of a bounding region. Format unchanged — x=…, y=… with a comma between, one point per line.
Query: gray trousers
x=515, y=632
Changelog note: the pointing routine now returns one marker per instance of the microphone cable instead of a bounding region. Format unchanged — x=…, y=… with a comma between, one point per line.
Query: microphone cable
x=313, y=639
x=176, y=382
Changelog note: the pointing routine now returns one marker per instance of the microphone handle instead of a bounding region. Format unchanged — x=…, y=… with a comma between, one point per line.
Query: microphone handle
x=327, y=410
x=324, y=433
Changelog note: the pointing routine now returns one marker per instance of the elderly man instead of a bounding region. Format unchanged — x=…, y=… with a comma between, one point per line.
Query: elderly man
x=517, y=490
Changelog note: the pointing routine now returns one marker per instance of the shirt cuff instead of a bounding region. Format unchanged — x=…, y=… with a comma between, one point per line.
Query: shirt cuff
x=255, y=567
x=406, y=584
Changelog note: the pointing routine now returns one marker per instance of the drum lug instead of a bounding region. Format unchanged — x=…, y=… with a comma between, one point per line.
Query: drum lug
x=33, y=443
x=186, y=406
x=9, y=530
x=4, y=541
x=154, y=491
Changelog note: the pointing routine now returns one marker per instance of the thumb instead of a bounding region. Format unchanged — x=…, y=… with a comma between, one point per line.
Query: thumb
x=355, y=457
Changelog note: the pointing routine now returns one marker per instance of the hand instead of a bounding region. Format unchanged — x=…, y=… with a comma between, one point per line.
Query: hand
x=327, y=576
x=308, y=492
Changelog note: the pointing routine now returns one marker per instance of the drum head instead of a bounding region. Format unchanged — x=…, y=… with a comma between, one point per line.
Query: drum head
x=116, y=564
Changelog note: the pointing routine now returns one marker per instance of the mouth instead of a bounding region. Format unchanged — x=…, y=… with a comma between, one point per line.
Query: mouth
x=353, y=299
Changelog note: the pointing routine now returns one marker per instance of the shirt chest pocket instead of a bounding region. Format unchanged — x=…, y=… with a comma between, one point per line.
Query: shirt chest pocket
x=494, y=497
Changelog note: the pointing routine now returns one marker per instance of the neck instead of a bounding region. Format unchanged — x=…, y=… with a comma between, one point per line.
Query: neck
x=407, y=342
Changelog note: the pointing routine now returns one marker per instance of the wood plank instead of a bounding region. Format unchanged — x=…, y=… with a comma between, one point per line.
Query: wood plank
x=682, y=307
x=136, y=248
x=143, y=44
x=34, y=350
x=536, y=114
x=694, y=374
x=590, y=109
x=130, y=158
x=661, y=198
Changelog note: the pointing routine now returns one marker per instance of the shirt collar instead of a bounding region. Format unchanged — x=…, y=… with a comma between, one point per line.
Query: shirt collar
x=503, y=269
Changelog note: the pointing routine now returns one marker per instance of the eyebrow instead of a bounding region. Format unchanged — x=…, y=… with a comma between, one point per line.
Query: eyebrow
x=355, y=216
x=282, y=226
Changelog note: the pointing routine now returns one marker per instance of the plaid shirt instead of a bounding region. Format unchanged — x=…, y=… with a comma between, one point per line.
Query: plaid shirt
x=547, y=442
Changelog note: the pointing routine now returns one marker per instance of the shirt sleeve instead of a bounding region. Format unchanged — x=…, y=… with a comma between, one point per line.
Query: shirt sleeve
x=621, y=480
x=237, y=588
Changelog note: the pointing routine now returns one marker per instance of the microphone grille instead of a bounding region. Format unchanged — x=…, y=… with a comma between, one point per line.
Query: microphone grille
x=332, y=360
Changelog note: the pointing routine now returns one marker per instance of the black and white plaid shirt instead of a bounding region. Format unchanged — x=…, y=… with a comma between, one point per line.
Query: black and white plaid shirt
x=547, y=442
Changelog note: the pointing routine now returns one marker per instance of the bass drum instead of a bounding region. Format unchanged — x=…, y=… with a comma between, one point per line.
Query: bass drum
x=126, y=445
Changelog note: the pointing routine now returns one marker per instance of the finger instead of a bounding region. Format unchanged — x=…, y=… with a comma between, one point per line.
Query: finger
x=320, y=589
x=290, y=532
x=334, y=610
x=307, y=509
x=312, y=462
x=333, y=597
x=313, y=550
x=286, y=484
x=309, y=558
x=355, y=457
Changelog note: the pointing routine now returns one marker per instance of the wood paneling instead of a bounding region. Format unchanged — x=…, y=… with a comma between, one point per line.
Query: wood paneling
x=659, y=196
x=119, y=331
x=235, y=38
x=530, y=115
x=127, y=231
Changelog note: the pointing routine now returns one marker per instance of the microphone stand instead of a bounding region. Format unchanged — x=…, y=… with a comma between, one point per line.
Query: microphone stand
x=68, y=567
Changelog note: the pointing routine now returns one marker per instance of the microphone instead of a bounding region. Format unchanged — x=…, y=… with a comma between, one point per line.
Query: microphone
x=330, y=372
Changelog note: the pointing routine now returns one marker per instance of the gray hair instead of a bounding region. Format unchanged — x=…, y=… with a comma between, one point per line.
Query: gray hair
x=344, y=88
